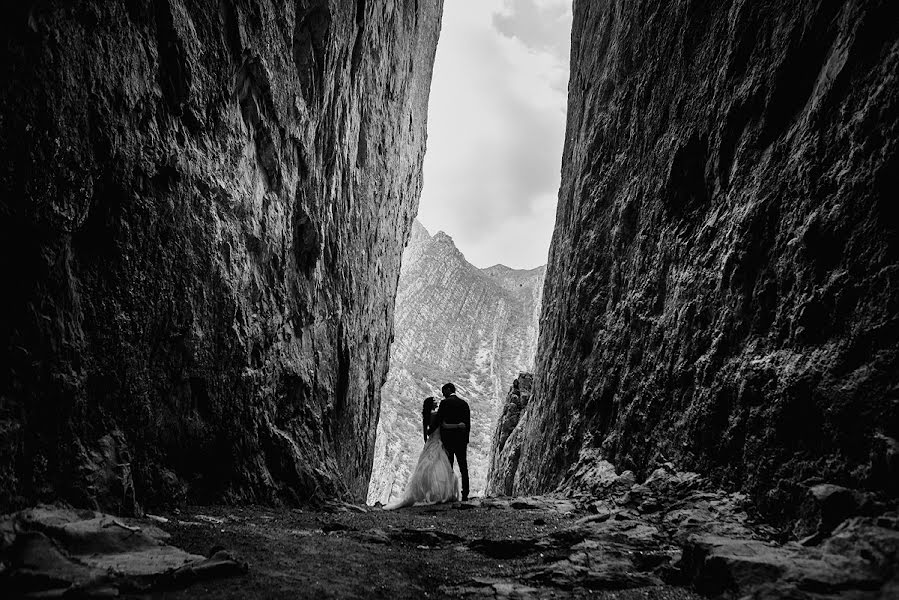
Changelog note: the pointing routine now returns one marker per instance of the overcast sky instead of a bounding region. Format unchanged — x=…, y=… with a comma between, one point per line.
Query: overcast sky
x=496, y=125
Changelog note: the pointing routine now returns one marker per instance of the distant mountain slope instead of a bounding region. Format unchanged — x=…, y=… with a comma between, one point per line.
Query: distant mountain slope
x=454, y=322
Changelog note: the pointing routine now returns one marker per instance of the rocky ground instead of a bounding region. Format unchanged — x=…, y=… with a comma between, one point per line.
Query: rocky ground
x=670, y=537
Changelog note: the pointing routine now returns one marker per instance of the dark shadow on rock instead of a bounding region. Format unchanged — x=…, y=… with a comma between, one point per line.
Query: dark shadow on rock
x=505, y=548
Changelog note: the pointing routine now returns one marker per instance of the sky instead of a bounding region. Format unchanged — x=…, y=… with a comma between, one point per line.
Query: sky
x=496, y=125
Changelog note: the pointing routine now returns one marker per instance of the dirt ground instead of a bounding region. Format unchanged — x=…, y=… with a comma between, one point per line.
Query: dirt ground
x=439, y=551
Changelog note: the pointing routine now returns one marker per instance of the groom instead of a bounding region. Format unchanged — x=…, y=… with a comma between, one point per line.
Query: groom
x=454, y=420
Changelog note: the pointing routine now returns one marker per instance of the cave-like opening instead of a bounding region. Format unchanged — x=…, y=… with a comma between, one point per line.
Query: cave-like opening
x=203, y=211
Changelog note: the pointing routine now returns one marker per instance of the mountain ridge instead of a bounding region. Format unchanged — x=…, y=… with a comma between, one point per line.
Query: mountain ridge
x=419, y=228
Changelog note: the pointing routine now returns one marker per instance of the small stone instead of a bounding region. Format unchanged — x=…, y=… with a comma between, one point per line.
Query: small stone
x=335, y=526
x=376, y=536
x=597, y=518
x=825, y=506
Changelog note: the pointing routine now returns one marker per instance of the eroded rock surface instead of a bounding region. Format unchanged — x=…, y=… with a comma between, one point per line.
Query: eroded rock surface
x=722, y=284
x=454, y=322
x=50, y=552
x=202, y=211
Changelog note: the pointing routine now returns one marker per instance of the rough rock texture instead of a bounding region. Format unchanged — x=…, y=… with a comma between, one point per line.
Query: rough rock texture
x=454, y=322
x=48, y=552
x=502, y=465
x=723, y=283
x=202, y=213
x=676, y=527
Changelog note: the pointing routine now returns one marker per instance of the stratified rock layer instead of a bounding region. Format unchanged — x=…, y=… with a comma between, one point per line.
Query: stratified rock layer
x=723, y=284
x=204, y=206
x=454, y=322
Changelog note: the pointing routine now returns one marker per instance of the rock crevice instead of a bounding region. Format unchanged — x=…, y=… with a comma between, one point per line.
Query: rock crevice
x=454, y=322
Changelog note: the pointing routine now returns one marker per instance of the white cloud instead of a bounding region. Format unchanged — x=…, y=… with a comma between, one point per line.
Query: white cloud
x=539, y=24
x=496, y=128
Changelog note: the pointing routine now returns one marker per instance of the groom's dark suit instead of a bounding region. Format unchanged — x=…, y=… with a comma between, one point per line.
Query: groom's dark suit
x=455, y=417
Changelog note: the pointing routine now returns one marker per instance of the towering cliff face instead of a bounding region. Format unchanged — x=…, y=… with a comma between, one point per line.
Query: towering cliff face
x=723, y=279
x=203, y=208
x=454, y=322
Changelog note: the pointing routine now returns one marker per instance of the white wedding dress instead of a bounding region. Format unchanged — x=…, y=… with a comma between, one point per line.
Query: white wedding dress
x=432, y=480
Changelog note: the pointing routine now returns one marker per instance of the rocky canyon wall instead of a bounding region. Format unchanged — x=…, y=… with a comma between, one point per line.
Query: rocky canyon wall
x=723, y=284
x=505, y=445
x=454, y=322
x=202, y=213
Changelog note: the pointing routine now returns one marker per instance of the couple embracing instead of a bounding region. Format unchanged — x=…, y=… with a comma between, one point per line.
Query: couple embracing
x=446, y=438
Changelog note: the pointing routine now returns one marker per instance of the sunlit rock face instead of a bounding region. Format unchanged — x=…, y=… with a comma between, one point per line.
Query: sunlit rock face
x=723, y=284
x=204, y=206
x=454, y=322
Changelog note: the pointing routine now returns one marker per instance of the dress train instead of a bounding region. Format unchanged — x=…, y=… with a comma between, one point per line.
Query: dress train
x=432, y=480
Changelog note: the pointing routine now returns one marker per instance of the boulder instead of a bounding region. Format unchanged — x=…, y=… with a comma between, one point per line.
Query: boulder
x=52, y=551
x=825, y=506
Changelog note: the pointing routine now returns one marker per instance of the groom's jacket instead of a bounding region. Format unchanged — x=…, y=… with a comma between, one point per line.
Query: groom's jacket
x=453, y=410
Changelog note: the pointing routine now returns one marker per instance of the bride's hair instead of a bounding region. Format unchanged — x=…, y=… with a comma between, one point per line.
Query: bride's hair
x=428, y=406
x=426, y=409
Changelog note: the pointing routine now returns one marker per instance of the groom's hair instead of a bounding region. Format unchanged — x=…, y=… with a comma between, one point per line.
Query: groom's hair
x=448, y=389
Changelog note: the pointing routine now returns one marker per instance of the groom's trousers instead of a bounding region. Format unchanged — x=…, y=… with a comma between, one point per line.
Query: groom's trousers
x=459, y=450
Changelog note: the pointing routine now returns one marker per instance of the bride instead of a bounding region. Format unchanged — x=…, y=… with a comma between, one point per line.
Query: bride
x=433, y=479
